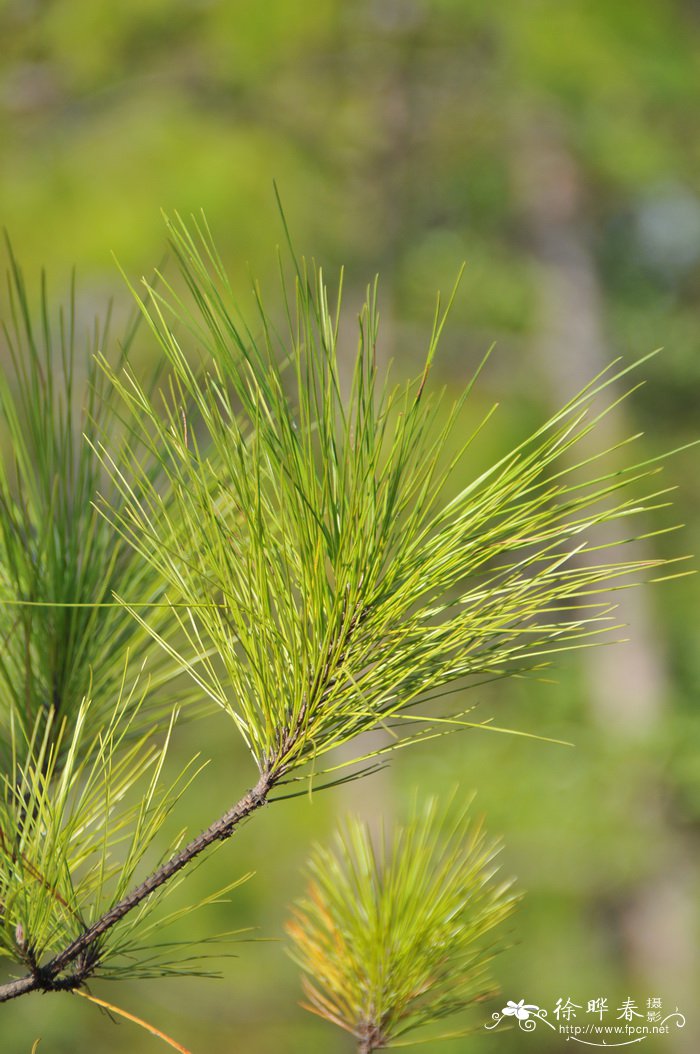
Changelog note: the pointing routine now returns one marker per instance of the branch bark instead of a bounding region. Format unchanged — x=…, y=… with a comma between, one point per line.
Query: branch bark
x=370, y=1038
x=81, y=951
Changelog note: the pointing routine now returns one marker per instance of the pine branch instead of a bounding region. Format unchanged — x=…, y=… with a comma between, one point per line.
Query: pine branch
x=332, y=565
x=370, y=1040
x=61, y=633
x=83, y=950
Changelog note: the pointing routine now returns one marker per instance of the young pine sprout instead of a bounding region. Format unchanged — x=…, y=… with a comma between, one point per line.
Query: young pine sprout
x=396, y=935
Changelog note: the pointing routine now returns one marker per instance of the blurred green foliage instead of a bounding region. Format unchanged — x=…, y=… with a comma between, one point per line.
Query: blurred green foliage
x=395, y=131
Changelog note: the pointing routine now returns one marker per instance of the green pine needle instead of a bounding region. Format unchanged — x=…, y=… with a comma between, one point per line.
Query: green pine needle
x=62, y=634
x=81, y=806
x=324, y=580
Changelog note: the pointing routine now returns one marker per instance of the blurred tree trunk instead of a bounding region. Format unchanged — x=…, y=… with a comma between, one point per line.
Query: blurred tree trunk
x=627, y=684
x=382, y=178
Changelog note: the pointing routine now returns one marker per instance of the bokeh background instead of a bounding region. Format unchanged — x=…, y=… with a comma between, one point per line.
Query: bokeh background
x=552, y=144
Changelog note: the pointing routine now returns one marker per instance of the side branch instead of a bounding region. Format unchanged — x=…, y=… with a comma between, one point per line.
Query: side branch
x=83, y=952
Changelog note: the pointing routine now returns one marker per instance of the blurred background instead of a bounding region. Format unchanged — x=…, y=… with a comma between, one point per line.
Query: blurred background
x=555, y=147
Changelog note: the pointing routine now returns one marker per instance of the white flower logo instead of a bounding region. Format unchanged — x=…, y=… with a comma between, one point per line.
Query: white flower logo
x=521, y=1010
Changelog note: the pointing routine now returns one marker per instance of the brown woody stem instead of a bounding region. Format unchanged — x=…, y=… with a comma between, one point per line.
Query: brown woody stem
x=370, y=1038
x=46, y=978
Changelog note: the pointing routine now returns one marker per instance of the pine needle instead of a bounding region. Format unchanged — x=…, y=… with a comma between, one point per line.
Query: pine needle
x=136, y=1020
